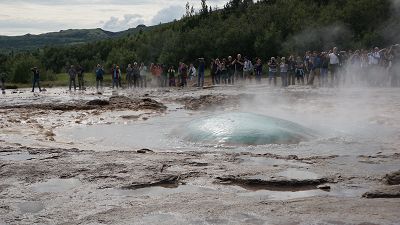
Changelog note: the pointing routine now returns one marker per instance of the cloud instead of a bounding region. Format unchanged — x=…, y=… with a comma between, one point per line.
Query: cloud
x=23, y=15
x=16, y=26
x=129, y=21
x=168, y=14
x=80, y=2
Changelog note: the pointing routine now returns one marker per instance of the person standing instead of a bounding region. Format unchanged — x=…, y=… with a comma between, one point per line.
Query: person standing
x=171, y=76
x=291, y=70
x=164, y=75
x=315, y=70
x=354, y=67
x=79, y=72
x=202, y=68
x=143, y=75
x=217, y=71
x=284, y=70
x=247, y=69
x=192, y=72
x=324, y=69
x=238, y=66
x=119, y=77
x=72, y=77
x=36, y=78
x=272, y=71
x=115, y=73
x=334, y=65
x=224, y=72
x=231, y=70
x=300, y=70
x=394, y=65
x=213, y=69
x=308, y=65
x=258, y=69
x=136, y=75
x=99, y=77
x=184, y=75
x=129, y=76
x=3, y=77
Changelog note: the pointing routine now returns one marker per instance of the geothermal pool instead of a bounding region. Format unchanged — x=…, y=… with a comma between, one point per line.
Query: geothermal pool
x=298, y=121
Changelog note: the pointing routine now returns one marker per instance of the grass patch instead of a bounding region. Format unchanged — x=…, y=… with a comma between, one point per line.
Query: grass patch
x=62, y=80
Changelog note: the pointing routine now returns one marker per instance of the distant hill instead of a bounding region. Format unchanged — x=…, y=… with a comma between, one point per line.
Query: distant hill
x=63, y=37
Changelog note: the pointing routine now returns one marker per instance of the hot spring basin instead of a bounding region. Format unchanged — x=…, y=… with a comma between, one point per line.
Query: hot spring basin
x=244, y=129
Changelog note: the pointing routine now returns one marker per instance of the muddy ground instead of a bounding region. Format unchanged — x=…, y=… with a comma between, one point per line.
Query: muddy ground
x=345, y=177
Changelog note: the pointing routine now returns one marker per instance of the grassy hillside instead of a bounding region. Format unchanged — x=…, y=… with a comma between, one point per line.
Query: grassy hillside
x=61, y=38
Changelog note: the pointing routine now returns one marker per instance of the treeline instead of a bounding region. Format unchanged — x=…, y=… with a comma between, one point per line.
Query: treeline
x=262, y=29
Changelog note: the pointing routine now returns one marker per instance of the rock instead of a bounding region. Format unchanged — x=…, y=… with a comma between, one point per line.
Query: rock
x=116, y=102
x=392, y=178
x=130, y=117
x=212, y=101
x=169, y=181
x=49, y=133
x=277, y=183
x=99, y=102
x=144, y=150
x=324, y=187
x=292, y=157
x=385, y=192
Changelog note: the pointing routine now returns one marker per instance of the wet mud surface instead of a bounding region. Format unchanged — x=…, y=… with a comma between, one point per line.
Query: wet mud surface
x=118, y=162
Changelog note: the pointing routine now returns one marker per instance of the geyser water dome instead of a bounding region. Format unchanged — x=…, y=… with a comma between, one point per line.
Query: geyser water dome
x=244, y=129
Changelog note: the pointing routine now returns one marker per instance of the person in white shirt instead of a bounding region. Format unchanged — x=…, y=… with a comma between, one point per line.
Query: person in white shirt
x=334, y=65
x=192, y=71
x=375, y=56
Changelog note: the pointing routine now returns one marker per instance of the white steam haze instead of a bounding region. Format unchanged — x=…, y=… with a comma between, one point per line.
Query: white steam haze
x=391, y=30
x=20, y=17
x=363, y=108
x=326, y=36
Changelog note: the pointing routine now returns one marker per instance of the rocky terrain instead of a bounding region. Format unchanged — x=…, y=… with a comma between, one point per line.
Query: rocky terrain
x=347, y=177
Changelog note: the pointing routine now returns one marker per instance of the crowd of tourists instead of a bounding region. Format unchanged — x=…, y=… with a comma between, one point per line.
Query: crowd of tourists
x=378, y=67
x=331, y=68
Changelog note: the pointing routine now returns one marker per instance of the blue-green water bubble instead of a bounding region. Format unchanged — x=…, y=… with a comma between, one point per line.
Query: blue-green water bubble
x=244, y=129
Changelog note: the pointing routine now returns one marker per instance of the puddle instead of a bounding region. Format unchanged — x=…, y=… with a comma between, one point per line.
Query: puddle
x=56, y=185
x=153, y=133
x=335, y=191
x=260, y=187
x=282, y=195
x=179, y=219
x=162, y=218
x=368, y=166
x=262, y=193
x=262, y=161
x=293, y=173
x=13, y=156
x=30, y=207
x=158, y=191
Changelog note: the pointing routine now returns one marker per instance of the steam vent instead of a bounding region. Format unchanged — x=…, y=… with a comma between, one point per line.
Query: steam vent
x=244, y=129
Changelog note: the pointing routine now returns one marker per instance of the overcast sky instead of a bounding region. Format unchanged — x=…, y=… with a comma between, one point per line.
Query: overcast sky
x=18, y=17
